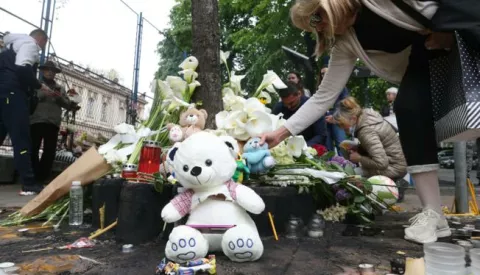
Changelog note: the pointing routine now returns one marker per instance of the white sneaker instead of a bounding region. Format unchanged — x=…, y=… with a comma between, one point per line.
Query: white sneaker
x=426, y=227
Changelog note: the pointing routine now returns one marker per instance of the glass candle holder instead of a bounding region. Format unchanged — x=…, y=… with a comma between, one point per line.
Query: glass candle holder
x=150, y=157
x=129, y=171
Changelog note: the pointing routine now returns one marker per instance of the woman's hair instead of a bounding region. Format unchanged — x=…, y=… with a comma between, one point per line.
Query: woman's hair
x=337, y=11
x=300, y=80
x=346, y=109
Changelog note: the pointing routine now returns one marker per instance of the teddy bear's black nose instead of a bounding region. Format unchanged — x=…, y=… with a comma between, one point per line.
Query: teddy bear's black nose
x=196, y=171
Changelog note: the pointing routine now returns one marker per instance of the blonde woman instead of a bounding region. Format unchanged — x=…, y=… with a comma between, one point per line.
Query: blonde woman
x=396, y=48
x=380, y=152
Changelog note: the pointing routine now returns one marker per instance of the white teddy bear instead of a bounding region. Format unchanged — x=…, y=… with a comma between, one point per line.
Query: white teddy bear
x=204, y=165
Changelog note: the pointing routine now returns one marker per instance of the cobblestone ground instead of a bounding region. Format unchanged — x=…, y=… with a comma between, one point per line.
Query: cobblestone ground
x=303, y=256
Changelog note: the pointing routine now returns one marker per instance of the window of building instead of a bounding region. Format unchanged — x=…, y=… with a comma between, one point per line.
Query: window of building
x=104, y=112
x=90, y=106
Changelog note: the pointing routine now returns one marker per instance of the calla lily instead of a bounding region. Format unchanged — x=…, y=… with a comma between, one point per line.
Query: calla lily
x=271, y=89
x=259, y=123
x=124, y=128
x=165, y=90
x=221, y=119
x=190, y=63
x=224, y=56
x=176, y=103
x=178, y=85
x=192, y=86
x=296, y=145
x=232, y=102
x=253, y=104
x=271, y=78
x=265, y=97
x=189, y=75
x=235, y=83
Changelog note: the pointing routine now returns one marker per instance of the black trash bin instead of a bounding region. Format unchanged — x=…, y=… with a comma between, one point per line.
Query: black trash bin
x=106, y=192
x=139, y=214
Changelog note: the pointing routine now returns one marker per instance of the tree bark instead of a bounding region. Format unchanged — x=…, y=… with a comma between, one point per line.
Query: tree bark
x=206, y=48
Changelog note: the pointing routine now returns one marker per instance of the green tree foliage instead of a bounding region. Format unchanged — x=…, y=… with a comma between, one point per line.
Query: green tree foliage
x=253, y=31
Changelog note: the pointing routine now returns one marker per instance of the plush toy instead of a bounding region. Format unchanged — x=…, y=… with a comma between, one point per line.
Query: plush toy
x=257, y=156
x=242, y=172
x=204, y=165
x=192, y=121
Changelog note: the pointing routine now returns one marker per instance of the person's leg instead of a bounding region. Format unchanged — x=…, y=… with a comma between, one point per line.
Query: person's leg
x=339, y=136
x=49, y=150
x=15, y=115
x=36, y=132
x=413, y=109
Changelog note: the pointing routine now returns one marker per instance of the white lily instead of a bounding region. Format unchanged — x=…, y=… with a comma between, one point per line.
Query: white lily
x=165, y=90
x=271, y=78
x=258, y=123
x=221, y=119
x=192, y=86
x=178, y=85
x=176, y=103
x=190, y=62
x=236, y=83
x=271, y=89
x=253, y=104
x=224, y=56
x=232, y=102
x=265, y=97
x=235, y=125
x=114, y=158
x=296, y=146
x=189, y=75
x=124, y=128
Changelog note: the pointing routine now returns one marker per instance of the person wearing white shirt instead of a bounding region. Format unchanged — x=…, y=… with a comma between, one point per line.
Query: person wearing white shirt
x=17, y=83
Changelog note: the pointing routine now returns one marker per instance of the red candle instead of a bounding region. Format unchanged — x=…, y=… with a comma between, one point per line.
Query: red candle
x=150, y=155
x=129, y=171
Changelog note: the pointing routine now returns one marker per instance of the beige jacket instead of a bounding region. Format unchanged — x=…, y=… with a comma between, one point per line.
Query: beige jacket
x=345, y=53
x=384, y=152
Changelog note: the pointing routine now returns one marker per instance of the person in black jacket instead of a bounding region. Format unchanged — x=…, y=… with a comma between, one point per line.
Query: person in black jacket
x=17, y=80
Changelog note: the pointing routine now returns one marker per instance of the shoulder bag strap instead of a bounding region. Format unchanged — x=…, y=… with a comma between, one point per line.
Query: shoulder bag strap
x=410, y=11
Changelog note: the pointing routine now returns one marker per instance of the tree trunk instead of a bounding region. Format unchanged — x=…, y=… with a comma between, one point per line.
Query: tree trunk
x=206, y=48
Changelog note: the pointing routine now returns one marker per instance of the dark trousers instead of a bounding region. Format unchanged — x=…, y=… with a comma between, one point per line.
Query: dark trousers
x=48, y=133
x=14, y=121
x=413, y=109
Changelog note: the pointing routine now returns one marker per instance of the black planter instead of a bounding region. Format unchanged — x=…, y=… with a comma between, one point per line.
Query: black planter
x=106, y=192
x=282, y=202
x=139, y=214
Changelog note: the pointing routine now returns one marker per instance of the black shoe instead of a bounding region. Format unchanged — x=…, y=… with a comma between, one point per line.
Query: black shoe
x=34, y=188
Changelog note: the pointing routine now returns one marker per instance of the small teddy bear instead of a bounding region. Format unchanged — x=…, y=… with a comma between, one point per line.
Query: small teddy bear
x=257, y=156
x=191, y=121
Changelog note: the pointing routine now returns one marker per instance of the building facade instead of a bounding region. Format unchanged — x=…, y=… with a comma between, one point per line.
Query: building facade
x=103, y=102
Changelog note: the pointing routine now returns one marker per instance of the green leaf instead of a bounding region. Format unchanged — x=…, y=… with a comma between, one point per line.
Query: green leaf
x=359, y=199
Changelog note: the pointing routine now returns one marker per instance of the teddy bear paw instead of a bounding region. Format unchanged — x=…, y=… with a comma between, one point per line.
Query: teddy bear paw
x=269, y=162
x=185, y=244
x=242, y=244
x=170, y=214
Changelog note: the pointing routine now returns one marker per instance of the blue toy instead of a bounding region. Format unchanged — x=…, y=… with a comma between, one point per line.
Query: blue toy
x=257, y=156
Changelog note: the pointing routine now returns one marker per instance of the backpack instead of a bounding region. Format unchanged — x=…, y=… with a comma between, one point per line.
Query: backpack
x=8, y=61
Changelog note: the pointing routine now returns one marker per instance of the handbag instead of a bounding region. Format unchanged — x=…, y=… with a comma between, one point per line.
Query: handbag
x=454, y=76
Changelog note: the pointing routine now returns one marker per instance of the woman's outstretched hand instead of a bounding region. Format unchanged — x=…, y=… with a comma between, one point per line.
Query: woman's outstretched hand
x=275, y=137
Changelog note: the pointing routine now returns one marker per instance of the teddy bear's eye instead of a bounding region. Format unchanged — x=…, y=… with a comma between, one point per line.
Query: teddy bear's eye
x=185, y=168
x=208, y=162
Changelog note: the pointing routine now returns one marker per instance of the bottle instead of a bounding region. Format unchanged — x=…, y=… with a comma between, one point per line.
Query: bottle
x=76, y=204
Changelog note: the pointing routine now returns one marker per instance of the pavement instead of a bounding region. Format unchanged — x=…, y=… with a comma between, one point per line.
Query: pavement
x=328, y=255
